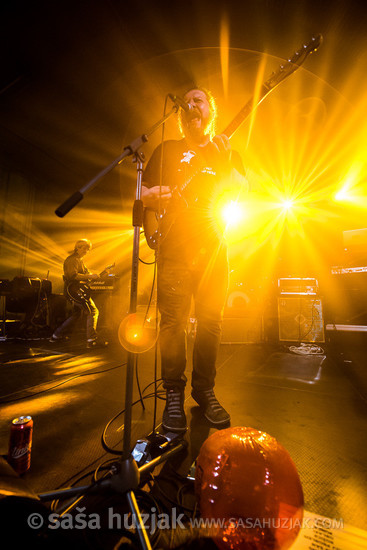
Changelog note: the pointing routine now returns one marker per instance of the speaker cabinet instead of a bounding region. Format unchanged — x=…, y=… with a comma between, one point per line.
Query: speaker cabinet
x=300, y=319
x=242, y=330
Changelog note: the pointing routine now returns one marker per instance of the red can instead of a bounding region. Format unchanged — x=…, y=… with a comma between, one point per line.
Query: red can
x=20, y=444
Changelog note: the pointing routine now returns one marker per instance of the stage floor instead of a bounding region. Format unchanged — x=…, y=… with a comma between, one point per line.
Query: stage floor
x=314, y=404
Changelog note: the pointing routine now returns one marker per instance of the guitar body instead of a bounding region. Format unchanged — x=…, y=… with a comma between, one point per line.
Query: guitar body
x=150, y=225
x=155, y=227
x=80, y=292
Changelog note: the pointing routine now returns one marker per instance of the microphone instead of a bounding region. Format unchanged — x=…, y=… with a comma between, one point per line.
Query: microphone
x=177, y=100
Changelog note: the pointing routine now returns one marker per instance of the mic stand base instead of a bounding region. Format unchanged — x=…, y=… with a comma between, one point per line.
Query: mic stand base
x=125, y=479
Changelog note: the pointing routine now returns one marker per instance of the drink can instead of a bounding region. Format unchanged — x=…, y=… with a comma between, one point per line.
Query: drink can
x=20, y=444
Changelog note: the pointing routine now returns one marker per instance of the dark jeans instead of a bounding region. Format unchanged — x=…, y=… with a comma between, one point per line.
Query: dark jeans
x=178, y=282
x=88, y=309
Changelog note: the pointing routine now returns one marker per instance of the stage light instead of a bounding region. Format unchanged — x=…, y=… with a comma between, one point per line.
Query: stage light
x=232, y=213
x=287, y=204
x=138, y=332
x=342, y=195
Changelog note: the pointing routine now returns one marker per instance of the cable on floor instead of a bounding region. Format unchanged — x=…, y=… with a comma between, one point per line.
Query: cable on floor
x=306, y=349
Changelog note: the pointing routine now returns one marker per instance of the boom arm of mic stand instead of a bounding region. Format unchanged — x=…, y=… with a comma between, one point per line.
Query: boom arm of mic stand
x=129, y=150
x=74, y=199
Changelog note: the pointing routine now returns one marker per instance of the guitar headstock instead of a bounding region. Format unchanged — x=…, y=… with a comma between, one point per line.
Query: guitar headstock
x=294, y=62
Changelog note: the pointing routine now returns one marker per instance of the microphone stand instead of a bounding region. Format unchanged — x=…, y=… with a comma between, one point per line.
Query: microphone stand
x=126, y=475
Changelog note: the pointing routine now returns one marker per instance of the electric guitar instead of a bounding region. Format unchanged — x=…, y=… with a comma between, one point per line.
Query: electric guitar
x=157, y=225
x=79, y=291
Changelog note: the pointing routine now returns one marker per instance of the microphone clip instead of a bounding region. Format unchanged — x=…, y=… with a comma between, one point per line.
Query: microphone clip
x=181, y=103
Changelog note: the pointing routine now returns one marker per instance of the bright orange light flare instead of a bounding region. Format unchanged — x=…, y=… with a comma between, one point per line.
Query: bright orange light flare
x=287, y=204
x=224, y=51
x=232, y=214
x=137, y=333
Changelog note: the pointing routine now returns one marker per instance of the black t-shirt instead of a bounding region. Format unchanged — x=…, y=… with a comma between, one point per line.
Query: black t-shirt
x=188, y=226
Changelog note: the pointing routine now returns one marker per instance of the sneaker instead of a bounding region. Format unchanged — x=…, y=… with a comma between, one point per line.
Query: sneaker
x=174, y=418
x=213, y=410
x=96, y=344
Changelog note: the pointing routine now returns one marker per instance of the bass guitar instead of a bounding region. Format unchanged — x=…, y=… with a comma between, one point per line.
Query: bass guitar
x=79, y=291
x=156, y=226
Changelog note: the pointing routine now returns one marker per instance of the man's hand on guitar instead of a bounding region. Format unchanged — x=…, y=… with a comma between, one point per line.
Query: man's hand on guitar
x=223, y=148
x=152, y=196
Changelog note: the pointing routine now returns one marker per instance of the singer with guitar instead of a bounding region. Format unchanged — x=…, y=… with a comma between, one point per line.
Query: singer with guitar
x=76, y=275
x=191, y=252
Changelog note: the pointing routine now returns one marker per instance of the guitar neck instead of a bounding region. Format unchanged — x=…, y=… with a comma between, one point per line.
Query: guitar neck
x=246, y=110
x=106, y=269
x=285, y=70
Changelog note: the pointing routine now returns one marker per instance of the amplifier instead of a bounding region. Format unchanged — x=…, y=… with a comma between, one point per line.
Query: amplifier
x=300, y=319
x=6, y=287
x=346, y=296
x=102, y=285
x=302, y=286
x=245, y=330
